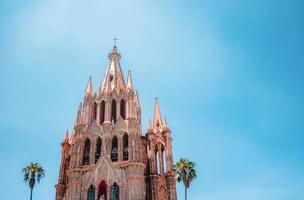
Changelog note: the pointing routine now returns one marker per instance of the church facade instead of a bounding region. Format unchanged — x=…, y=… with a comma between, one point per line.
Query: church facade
x=107, y=157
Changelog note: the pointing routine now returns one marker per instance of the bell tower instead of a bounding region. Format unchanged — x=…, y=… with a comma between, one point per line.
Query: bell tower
x=159, y=175
x=106, y=156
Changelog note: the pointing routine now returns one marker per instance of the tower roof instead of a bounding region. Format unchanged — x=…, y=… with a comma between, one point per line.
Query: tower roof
x=113, y=79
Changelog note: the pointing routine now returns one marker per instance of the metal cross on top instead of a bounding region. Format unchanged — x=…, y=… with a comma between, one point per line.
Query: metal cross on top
x=115, y=39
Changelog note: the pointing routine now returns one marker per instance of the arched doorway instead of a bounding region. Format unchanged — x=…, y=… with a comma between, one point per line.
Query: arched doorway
x=102, y=191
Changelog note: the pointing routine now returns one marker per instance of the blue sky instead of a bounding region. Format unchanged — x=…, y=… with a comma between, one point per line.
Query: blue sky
x=228, y=76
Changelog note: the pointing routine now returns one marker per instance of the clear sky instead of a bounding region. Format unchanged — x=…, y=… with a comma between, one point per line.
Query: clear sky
x=228, y=76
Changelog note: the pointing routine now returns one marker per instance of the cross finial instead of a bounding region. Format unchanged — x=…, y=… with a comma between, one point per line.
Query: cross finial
x=115, y=40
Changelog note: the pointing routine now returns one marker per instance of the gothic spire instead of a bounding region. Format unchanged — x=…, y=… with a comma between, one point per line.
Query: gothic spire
x=129, y=81
x=157, y=119
x=66, y=138
x=149, y=125
x=89, y=89
x=113, y=79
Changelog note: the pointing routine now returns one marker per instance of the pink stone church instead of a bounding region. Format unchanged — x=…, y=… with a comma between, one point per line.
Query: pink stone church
x=107, y=157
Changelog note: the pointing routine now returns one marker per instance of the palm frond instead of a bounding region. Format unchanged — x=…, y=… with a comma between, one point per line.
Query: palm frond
x=185, y=171
x=32, y=172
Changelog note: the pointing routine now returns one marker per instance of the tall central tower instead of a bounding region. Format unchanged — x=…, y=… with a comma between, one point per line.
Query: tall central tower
x=106, y=156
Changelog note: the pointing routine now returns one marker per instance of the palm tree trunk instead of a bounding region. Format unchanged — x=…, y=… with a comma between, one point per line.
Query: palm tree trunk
x=185, y=193
x=31, y=194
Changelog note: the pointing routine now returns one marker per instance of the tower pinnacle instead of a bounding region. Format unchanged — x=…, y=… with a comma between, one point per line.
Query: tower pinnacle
x=129, y=81
x=66, y=138
x=89, y=89
x=157, y=119
x=113, y=79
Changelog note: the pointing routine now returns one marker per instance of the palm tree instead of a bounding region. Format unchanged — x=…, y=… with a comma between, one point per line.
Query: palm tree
x=32, y=172
x=185, y=171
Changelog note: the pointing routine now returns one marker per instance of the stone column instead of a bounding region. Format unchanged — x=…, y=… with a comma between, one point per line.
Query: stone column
x=169, y=157
x=156, y=162
x=92, y=151
x=127, y=108
x=171, y=186
x=108, y=111
x=153, y=160
x=120, y=148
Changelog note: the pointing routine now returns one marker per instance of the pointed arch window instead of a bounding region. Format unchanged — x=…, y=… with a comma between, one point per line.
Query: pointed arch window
x=157, y=160
x=94, y=113
x=91, y=193
x=123, y=109
x=86, y=152
x=125, y=147
x=102, y=190
x=98, y=149
x=102, y=112
x=114, y=192
x=114, y=149
x=113, y=113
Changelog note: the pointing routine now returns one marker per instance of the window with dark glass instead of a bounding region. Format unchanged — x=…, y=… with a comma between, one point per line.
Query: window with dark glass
x=113, y=113
x=102, y=112
x=94, y=111
x=114, y=150
x=123, y=109
x=91, y=193
x=125, y=147
x=86, y=152
x=114, y=192
x=98, y=149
